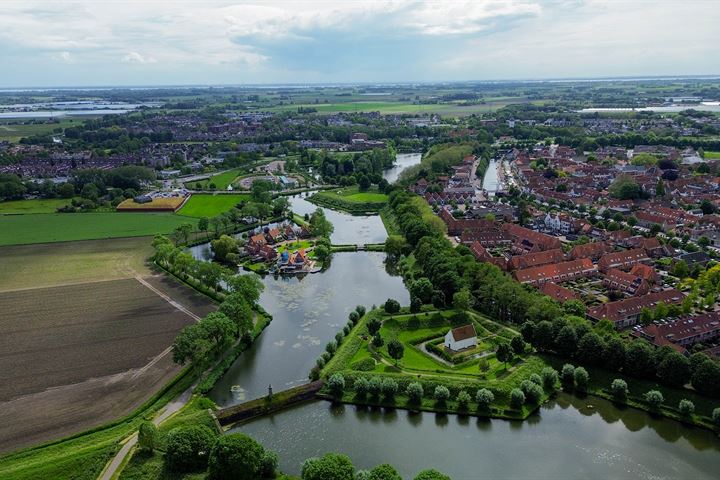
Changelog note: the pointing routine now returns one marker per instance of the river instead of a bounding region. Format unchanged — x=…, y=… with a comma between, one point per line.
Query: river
x=491, y=181
x=402, y=161
x=565, y=440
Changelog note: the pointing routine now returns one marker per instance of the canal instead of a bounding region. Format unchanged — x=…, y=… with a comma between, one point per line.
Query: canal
x=402, y=161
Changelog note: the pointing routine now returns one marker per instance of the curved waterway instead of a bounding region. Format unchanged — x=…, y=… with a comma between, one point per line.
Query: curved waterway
x=402, y=161
x=567, y=439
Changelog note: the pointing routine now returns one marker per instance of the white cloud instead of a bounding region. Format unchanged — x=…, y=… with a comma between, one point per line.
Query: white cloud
x=135, y=57
x=63, y=56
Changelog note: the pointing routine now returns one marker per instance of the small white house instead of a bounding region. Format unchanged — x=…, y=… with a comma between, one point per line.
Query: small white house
x=461, y=338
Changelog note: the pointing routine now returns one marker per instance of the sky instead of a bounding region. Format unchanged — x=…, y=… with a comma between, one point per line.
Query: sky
x=181, y=42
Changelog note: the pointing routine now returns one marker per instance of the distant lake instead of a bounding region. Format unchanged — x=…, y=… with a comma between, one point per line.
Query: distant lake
x=75, y=108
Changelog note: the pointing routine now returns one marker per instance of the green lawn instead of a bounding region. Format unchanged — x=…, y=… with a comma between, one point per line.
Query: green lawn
x=296, y=245
x=46, y=205
x=221, y=180
x=63, y=227
x=350, y=199
x=202, y=205
x=712, y=155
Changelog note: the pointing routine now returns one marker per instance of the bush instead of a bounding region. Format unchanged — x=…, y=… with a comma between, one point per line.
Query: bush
x=354, y=317
x=567, y=376
x=384, y=472
x=389, y=388
x=415, y=392
x=431, y=475
x=147, y=437
x=339, y=337
x=441, y=394
x=375, y=386
x=361, y=387
x=378, y=341
x=518, y=345
x=619, y=389
x=187, y=448
x=336, y=384
x=346, y=330
x=331, y=466
x=392, y=306
x=269, y=465
x=549, y=378
x=484, y=399
x=360, y=310
x=331, y=347
x=581, y=379
x=535, y=378
x=320, y=362
x=533, y=392
x=236, y=456
x=686, y=408
x=716, y=416
x=463, y=399
x=517, y=398
x=364, y=365
x=654, y=399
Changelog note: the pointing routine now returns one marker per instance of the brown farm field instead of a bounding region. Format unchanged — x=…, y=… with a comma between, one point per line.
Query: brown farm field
x=86, y=335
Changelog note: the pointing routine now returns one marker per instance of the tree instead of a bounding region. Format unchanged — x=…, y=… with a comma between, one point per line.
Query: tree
x=203, y=224
x=224, y=246
x=414, y=392
x=373, y=326
x=422, y=288
x=363, y=183
x=360, y=310
x=187, y=447
x=249, y=286
x=236, y=308
x=574, y=307
x=66, y=190
x=590, y=349
x=639, y=361
x=654, y=399
x=674, y=369
x=377, y=341
x=518, y=345
x=235, y=456
x=681, y=269
x=389, y=388
x=336, y=384
x=217, y=329
x=566, y=341
x=504, y=353
x=549, y=378
x=706, y=378
x=619, y=389
x=431, y=475
x=686, y=408
x=463, y=399
x=484, y=399
x=543, y=337
x=716, y=416
x=567, y=376
x=396, y=350
x=462, y=300
x=581, y=378
x=517, y=398
x=147, y=437
x=613, y=355
x=441, y=394
x=320, y=226
x=361, y=387
x=331, y=466
x=384, y=472
x=624, y=187
x=660, y=188
x=392, y=306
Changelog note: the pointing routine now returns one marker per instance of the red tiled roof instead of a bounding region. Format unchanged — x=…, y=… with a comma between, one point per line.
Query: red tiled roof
x=463, y=333
x=557, y=272
x=536, y=259
x=558, y=292
x=621, y=309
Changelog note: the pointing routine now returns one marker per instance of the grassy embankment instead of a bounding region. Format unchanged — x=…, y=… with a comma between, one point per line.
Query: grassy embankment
x=208, y=205
x=63, y=227
x=351, y=200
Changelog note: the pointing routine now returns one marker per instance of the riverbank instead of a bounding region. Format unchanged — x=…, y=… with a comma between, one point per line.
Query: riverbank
x=351, y=200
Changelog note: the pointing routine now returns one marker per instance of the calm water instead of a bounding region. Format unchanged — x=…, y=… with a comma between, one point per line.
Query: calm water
x=349, y=229
x=704, y=106
x=402, y=161
x=565, y=440
x=307, y=313
x=491, y=183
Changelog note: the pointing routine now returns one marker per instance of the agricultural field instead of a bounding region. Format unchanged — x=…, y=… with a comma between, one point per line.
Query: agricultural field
x=14, y=132
x=64, y=263
x=104, y=346
x=396, y=108
x=169, y=204
x=63, y=227
x=206, y=205
x=45, y=205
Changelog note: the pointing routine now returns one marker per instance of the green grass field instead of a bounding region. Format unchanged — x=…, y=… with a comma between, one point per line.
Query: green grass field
x=46, y=205
x=221, y=180
x=351, y=199
x=14, y=133
x=63, y=227
x=201, y=205
x=712, y=155
x=391, y=108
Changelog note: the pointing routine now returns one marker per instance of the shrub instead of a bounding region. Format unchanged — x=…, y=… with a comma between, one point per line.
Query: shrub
x=331, y=347
x=320, y=362
x=147, y=437
x=336, y=384
x=654, y=399
x=536, y=379
x=716, y=416
x=389, y=388
x=517, y=344
x=533, y=392
x=384, y=472
x=619, y=389
x=360, y=310
x=236, y=456
x=441, y=394
x=326, y=356
x=463, y=399
x=331, y=466
x=269, y=465
x=686, y=408
x=549, y=378
x=187, y=448
x=354, y=317
x=364, y=365
x=567, y=376
x=431, y=475
x=339, y=337
x=375, y=386
x=361, y=387
x=415, y=392
x=392, y=306
x=484, y=399
x=517, y=398
x=378, y=341
x=581, y=379
x=346, y=330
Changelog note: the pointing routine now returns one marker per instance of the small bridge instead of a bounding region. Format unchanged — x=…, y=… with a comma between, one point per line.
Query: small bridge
x=268, y=404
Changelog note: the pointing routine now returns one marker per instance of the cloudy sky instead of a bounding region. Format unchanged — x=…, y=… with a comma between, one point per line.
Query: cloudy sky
x=147, y=42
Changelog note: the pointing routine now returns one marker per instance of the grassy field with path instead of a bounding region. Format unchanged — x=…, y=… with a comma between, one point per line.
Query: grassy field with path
x=208, y=205
x=63, y=227
x=221, y=180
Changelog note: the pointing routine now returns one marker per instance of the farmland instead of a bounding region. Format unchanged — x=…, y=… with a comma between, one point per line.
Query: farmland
x=14, y=132
x=201, y=205
x=46, y=205
x=95, y=338
x=391, y=108
x=63, y=227
x=169, y=204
